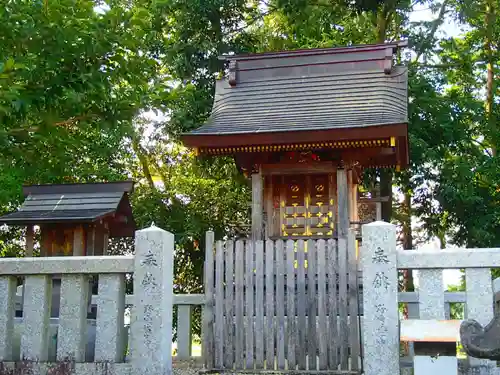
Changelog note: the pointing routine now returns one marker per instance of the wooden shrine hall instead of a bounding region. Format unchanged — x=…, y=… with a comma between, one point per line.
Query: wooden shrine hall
x=304, y=124
x=75, y=219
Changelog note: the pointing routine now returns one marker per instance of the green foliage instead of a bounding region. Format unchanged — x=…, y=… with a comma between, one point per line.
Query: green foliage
x=77, y=81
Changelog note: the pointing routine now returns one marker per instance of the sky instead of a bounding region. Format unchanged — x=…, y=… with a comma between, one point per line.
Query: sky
x=449, y=28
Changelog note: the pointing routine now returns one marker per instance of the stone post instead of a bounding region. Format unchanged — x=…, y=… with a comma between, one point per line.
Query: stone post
x=479, y=306
x=72, y=332
x=380, y=299
x=109, y=342
x=151, y=324
x=7, y=307
x=36, y=314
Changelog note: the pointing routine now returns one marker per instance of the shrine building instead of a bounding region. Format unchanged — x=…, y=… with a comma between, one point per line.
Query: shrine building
x=302, y=125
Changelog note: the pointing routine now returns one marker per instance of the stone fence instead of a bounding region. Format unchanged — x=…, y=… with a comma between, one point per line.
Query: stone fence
x=146, y=345
x=380, y=262
x=150, y=343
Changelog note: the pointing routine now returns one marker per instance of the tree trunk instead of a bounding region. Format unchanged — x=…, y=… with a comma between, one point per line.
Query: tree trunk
x=385, y=174
x=408, y=285
x=143, y=159
x=489, y=19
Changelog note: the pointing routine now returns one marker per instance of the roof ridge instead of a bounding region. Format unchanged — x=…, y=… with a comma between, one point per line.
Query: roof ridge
x=314, y=51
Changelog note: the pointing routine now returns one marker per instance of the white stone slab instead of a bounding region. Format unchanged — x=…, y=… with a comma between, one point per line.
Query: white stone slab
x=442, y=365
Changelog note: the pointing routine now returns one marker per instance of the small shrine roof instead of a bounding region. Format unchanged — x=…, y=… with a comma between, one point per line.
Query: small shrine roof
x=284, y=94
x=74, y=203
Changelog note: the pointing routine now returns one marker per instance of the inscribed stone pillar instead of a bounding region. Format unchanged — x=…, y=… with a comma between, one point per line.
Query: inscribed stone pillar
x=380, y=299
x=151, y=324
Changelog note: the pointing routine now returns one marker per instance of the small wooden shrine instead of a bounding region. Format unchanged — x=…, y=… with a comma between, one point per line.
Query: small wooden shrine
x=75, y=219
x=303, y=124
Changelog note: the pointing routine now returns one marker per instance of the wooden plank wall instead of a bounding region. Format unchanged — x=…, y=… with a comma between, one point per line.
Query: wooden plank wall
x=283, y=306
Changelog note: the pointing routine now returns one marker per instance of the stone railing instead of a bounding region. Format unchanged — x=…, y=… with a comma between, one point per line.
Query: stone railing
x=150, y=344
x=429, y=322
x=184, y=303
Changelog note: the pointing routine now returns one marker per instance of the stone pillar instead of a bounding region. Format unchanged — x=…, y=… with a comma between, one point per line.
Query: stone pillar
x=36, y=311
x=72, y=332
x=257, y=206
x=7, y=307
x=431, y=295
x=479, y=304
x=109, y=344
x=380, y=299
x=433, y=357
x=151, y=323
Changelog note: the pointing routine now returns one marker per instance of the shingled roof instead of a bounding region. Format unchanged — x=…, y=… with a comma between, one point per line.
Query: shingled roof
x=307, y=90
x=75, y=203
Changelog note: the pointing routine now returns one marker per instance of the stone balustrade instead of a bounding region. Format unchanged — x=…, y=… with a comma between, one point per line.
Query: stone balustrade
x=109, y=345
x=148, y=349
x=380, y=262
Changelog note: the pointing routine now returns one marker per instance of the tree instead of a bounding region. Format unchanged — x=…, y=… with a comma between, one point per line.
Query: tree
x=461, y=204
x=71, y=80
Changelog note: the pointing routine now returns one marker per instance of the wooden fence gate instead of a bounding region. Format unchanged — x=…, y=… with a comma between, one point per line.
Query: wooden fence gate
x=282, y=306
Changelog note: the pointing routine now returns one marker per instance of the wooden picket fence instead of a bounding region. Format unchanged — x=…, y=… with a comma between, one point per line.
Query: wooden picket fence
x=278, y=305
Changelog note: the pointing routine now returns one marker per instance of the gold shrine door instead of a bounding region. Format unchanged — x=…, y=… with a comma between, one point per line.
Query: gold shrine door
x=301, y=205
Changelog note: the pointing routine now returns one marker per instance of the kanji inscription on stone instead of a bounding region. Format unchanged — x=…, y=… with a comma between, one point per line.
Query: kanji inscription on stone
x=149, y=282
x=381, y=281
x=149, y=260
x=380, y=311
x=379, y=257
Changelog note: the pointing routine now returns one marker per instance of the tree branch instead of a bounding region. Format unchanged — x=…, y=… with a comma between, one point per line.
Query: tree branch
x=436, y=23
x=142, y=155
x=253, y=20
x=437, y=66
x=64, y=123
